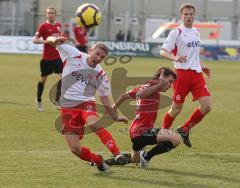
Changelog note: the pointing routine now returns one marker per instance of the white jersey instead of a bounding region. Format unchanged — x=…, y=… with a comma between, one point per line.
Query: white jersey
x=183, y=41
x=79, y=80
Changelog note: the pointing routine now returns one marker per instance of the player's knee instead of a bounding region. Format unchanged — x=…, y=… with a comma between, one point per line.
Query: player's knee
x=208, y=109
x=205, y=109
x=76, y=150
x=176, y=140
x=174, y=111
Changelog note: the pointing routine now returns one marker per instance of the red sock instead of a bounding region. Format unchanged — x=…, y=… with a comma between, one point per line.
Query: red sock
x=167, y=121
x=108, y=141
x=87, y=155
x=195, y=118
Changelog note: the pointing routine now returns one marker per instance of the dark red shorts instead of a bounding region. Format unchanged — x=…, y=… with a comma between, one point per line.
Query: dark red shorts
x=189, y=81
x=74, y=119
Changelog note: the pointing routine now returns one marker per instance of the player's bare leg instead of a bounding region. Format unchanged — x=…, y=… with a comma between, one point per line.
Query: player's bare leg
x=106, y=138
x=173, y=112
x=197, y=115
x=166, y=140
x=205, y=105
x=84, y=153
x=40, y=89
x=171, y=115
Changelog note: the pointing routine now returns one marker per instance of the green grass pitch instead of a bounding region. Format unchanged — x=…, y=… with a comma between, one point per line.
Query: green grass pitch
x=34, y=154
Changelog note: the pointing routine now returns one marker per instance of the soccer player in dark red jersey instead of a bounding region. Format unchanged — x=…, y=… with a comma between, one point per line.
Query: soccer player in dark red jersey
x=142, y=131
x=51, y=61
x=182, y=46
x=81, y=38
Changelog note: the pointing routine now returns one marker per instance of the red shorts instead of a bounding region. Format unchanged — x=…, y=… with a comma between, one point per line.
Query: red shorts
x=74, y=119
x=189, y=81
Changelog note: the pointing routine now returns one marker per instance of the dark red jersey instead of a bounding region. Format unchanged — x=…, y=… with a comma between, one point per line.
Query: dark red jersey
x=45, y=30
x=146, y=112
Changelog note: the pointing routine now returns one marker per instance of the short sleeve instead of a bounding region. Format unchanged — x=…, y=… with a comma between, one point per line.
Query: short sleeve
x=39, y=32
x=170, y=42
x=66, y=51
x=104, y=86
x=133, y=93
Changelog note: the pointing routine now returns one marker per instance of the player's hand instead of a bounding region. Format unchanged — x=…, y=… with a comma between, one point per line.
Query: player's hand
x=181, y=59
x=121, y=119
x=56, y=40
x=207, y=71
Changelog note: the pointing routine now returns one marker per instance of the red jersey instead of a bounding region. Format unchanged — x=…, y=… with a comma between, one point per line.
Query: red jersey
x=146, y=112
x=45, y=30
x=80, y=36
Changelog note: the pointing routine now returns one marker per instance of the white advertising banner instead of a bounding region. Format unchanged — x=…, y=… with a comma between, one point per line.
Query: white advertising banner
x=19, y=44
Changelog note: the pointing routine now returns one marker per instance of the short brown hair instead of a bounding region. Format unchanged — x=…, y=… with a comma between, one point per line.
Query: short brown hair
x=101, y=45
x=187, y=5
x=166, y=72
x=52, y=8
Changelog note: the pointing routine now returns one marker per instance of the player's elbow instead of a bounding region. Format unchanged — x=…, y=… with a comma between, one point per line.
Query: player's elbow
x=162, y=52
x=124, y=96
x=141, y=94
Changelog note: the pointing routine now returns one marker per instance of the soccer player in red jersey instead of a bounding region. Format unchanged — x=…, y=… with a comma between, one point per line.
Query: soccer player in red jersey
x=81, y=38
x=82, y=77
x=51, y=61
x=142, y=131
x=182, y=46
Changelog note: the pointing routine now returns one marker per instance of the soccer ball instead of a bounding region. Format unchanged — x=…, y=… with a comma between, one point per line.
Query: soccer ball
x=88, y=16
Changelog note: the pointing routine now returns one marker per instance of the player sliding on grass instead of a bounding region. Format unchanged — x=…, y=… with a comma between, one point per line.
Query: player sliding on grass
x=82, y=76
x=142, y=131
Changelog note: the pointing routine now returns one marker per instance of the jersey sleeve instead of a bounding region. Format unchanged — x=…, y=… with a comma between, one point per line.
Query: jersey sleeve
x=133, y=92
x=39, y=32
x=67, y=51
x=104, y=86
x=170, y=42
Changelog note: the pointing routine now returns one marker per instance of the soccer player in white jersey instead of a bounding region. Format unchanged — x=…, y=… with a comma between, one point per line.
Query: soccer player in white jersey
x=182, y=46
x=82, y=76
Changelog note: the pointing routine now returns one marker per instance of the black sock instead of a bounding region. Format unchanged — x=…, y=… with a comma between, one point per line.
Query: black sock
x=58, y=93
x=40, y=91
x=160, y=148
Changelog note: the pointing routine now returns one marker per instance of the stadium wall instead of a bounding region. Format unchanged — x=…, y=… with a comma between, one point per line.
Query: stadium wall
x=223, y=50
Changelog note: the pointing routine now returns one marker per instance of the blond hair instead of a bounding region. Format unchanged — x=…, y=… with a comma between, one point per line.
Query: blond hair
x=101, y=45
x=187, y=5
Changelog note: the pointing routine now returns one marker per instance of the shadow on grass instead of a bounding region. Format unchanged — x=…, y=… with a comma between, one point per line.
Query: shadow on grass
x=223, y=158
x=150, y=181
x=194, y=174
x=174, y=172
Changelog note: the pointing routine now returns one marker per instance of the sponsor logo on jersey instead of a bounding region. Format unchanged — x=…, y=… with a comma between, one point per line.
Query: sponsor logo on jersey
x=80, y=77
x=193, y=44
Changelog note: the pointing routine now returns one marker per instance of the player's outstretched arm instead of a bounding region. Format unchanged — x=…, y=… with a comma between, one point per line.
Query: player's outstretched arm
x=37, y=40
x=120, y=100
x=106, y=102
x=54, y=41
x=146, y=92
